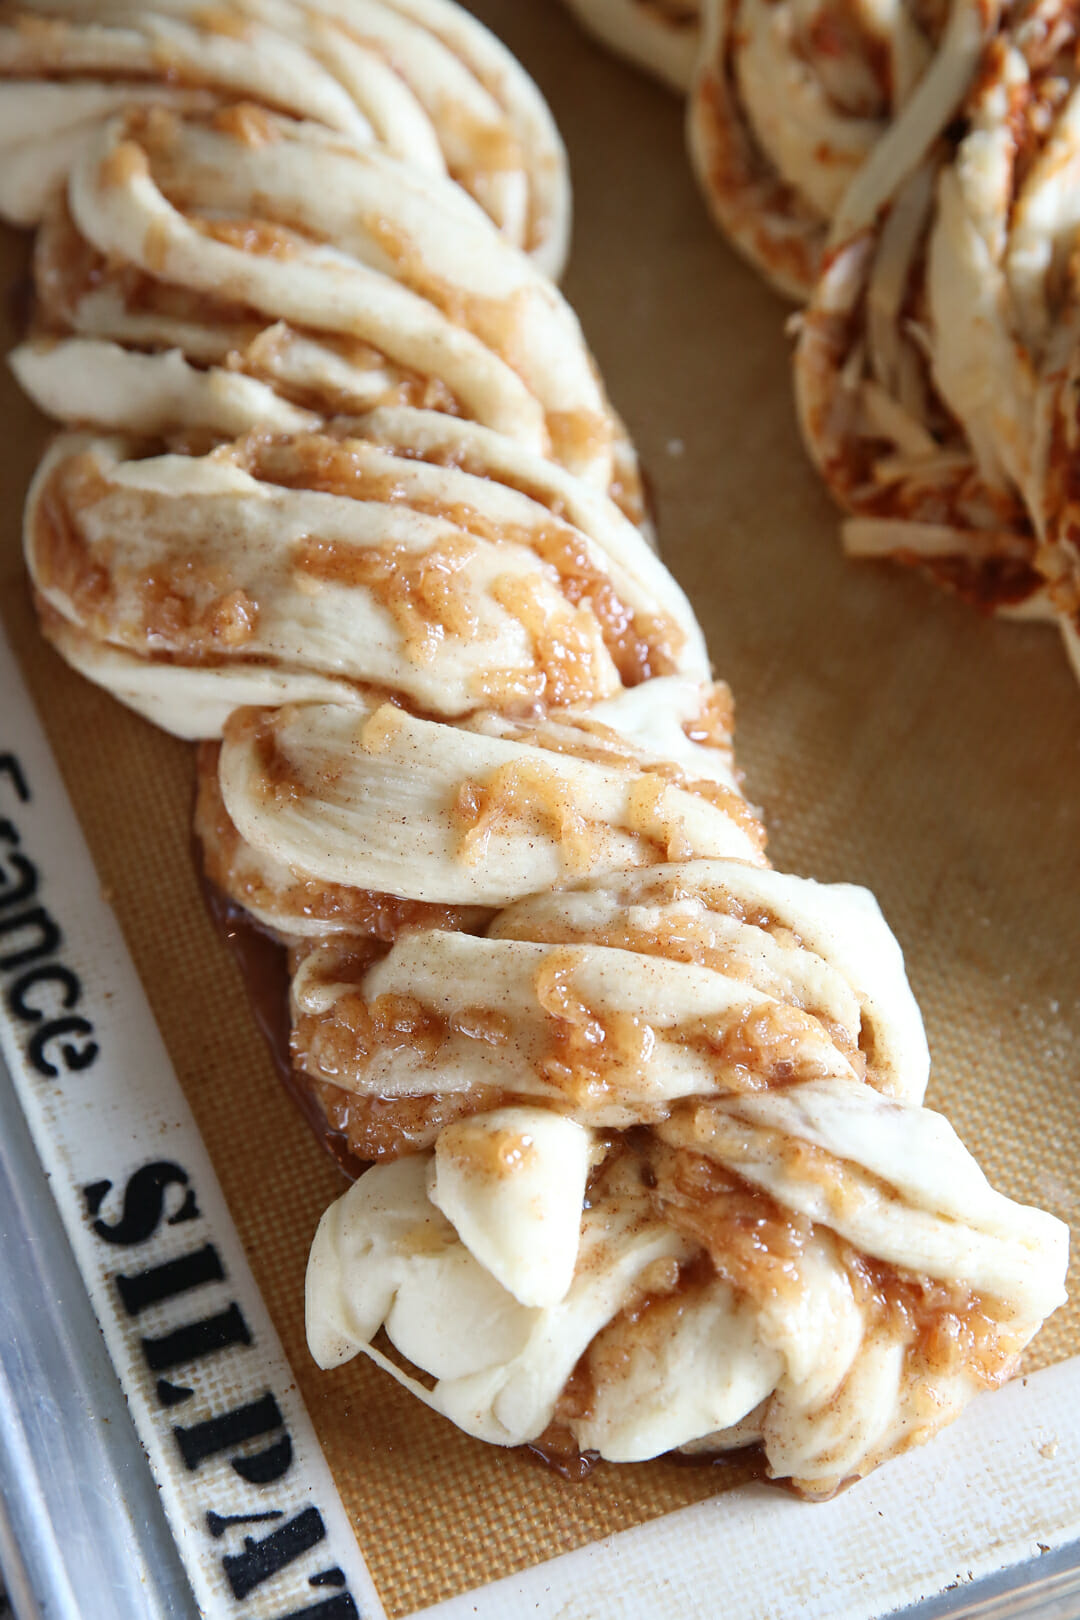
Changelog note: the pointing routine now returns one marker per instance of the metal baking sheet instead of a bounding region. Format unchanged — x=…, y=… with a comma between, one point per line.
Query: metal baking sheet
x=833, y=667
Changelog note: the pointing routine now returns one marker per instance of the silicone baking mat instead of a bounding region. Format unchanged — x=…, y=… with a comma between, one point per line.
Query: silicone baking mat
x=891, y=736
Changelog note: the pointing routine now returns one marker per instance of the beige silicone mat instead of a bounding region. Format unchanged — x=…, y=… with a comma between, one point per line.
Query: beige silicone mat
x=892, y=738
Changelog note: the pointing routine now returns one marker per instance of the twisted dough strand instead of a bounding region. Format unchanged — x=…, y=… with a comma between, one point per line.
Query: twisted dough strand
x=342, y=497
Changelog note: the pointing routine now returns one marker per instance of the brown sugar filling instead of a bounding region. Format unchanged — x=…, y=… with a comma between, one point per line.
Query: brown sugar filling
x=730, y=802
x=587, y=1054
x=423, y=592
x=390, y=1127
x=246, y=121
x=61, y=555
x=256, y=236
x=530, y=794
x=177, y=607
x=67, y=268
x=355, y=1130
x=340, y=1045
x=566, y=669
x=755, y=1244
x=760, y=207
x=947, y=1327
x=641, y=645
x=714, y=724
x=523, y=794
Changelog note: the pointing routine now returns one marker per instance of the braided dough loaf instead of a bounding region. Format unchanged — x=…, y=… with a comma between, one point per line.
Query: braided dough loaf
x=936, y=364
x=342, y=497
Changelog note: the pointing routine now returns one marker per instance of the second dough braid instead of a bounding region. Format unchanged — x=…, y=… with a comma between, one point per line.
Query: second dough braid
x=909, y=172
